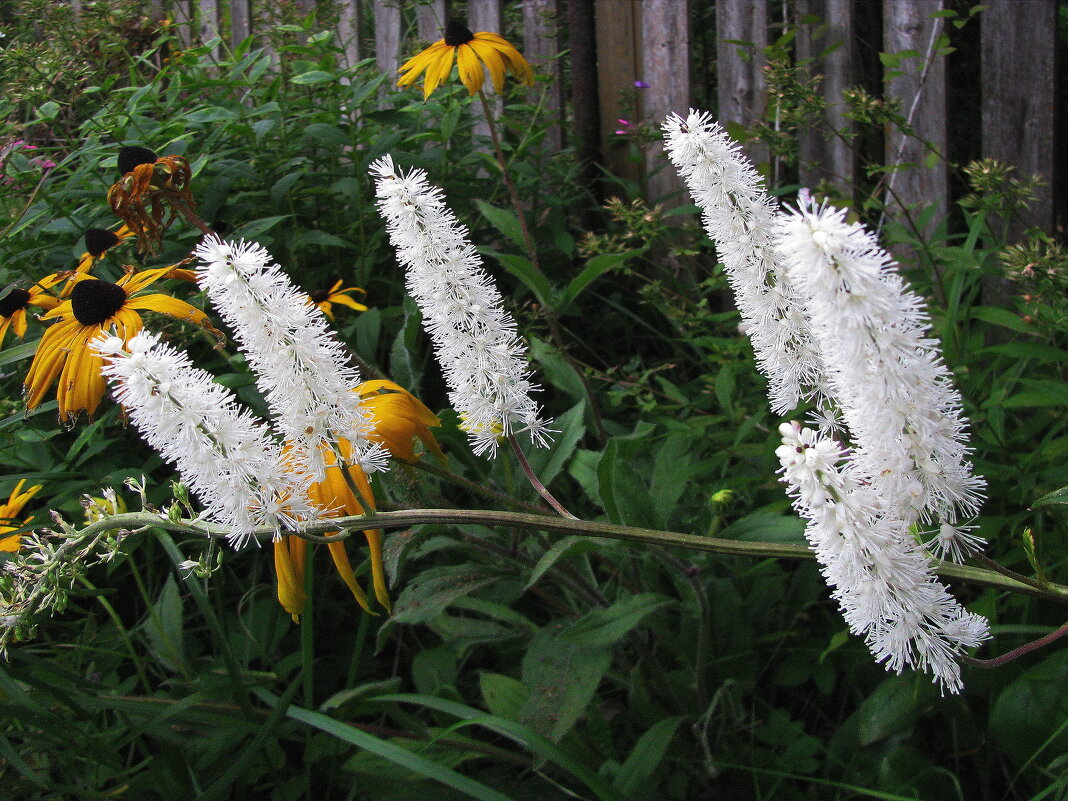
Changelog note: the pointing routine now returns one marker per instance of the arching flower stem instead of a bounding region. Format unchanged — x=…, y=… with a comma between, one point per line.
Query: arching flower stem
x=535, y=481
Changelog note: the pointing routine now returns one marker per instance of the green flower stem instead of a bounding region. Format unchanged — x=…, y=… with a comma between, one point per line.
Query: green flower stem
x=558, y=525
x=535, y=482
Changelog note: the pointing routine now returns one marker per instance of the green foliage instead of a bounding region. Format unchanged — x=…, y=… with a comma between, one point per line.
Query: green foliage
x=513, y=666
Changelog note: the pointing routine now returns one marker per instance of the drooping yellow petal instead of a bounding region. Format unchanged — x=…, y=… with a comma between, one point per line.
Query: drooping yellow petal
x=5, y=323
x=493, y=61
x=471, y=72
x=18, y=322
x=135, y=282
x=414, y=67
x=52, y=352
x=291, y=593
x=345, y=300
x=438, y=71
x=344, y=570
x=165, y=304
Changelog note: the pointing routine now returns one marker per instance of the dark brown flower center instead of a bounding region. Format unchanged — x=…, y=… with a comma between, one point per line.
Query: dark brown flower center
x=95, y=301
x=13, y=301
x=133, y=155
x=457, y=34
x=319, y=295
x=97, y=240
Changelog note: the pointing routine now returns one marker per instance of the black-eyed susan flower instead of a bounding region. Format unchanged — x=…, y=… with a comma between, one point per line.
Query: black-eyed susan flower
x=399, y=419
x=325, y=299
x=333, y=493
x=9, y=514
x=150, y=186
x=94, y=307
x=14, y=305
x=98, y=241
x=471, y=50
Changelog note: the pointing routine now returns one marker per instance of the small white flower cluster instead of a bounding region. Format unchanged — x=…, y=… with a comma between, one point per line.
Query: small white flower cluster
x=740, y=218
x=881, y=579
x=301, y=368
x=221, y=450
x=475, y=340
x=832, y=323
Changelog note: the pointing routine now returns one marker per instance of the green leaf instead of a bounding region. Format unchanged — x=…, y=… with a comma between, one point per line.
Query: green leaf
x=603, y=627
x=163, y=628
x=562, y=677
x=387, y=750
x=568, y=546
x=521, y=268
x=893, y=707
x=1057, y=496
x=323, y=239
x=1003, y=318
x=548, y=462
x=504, y=221
x=594, y=269
x=646, y=755
x=254, y=228
x=312, y=77
x=211, y=114
x=431, y=592
x=503, y=695
x=19, y=352
x=1030, y=716
x=326, y=134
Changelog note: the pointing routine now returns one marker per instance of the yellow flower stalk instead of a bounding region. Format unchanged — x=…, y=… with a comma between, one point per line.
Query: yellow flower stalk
x=9, y=514
x=325, y=299
x=472, y=51
x=399, y=418
x=95, y=307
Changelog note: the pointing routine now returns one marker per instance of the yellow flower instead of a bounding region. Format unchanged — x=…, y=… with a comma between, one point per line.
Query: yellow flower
x=326, y=298
x=14, y=304
x=491, y=49
x=147, y=187
x=290, y=552
x=9, y=513
x=399, y=418
x=95, y=307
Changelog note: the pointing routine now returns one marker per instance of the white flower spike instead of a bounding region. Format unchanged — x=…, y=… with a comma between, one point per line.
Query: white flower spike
x=475, y=341
x=221, y=450
x=301, y=368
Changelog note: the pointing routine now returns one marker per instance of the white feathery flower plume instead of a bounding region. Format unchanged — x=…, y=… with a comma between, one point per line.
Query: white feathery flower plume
x=885, y=372
x=739, y=217
x=301, y=368
x=475, y=340
x=221, y=450
x=881, y=578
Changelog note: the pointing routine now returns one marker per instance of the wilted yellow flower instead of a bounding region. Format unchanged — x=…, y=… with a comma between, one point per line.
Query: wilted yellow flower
x=399, y=418
x=9, y=513
x=472, y=50
x=147, y=188
x=290, y=552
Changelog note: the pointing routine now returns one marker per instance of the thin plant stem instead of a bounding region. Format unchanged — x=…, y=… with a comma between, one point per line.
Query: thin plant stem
x=1016, y=653
x=535, y=481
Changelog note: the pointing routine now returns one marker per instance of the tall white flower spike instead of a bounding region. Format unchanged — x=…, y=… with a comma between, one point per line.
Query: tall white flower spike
x=739, y=217
x=301, y=368
x=222, y=452
x=475, y=340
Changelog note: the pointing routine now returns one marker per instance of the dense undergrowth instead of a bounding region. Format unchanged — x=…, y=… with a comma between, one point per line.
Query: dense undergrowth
x=515, y=665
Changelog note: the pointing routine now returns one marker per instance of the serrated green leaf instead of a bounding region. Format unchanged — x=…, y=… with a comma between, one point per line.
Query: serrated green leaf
x=646, y=755
x=503, y=695
x=562, y=677
x=1057, y=496
x=521, y=268
x=594, y=269
x=430, y=593
x=561, y=548
x=504, y=221
x=312, y=77
x=603, y=627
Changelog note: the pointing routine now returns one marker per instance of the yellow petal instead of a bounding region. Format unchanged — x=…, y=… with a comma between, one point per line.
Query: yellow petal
x=18, y=322
x=344, y=570
x=345, y=300
x=438, y=71
x=291, y=593
x=52, y=352
x=493, y=61
x=471, y=74
x=165, y=304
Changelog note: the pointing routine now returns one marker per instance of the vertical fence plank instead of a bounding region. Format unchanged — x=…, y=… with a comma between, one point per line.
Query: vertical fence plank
x=183, y=21
x=1019, y=93
x=486, y=15
x=920, y=87
x=76, y=8
x=209, y=23
x=585, y=102
x=824, y=156
x=387, y=40
x=740, y=86
x=541, y=46
x=348, y=32
x=240, y=24
x=430, y=20
x=665, y=67
x=618, y=49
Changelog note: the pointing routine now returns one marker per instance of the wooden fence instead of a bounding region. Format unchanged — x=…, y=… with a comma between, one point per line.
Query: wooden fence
x=680, y=48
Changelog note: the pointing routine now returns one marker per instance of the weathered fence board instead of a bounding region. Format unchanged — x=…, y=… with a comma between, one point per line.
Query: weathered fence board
x=387, y=40
x=740, y=85
x=183, y=21
x=541, y=46
x=209, y=23
x=920, y=87
x=349, y=31
x=825, y=156
x=665, y=68
x=430, y=20
x=1019, y=94
x=618, y=25
x=240, y=23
